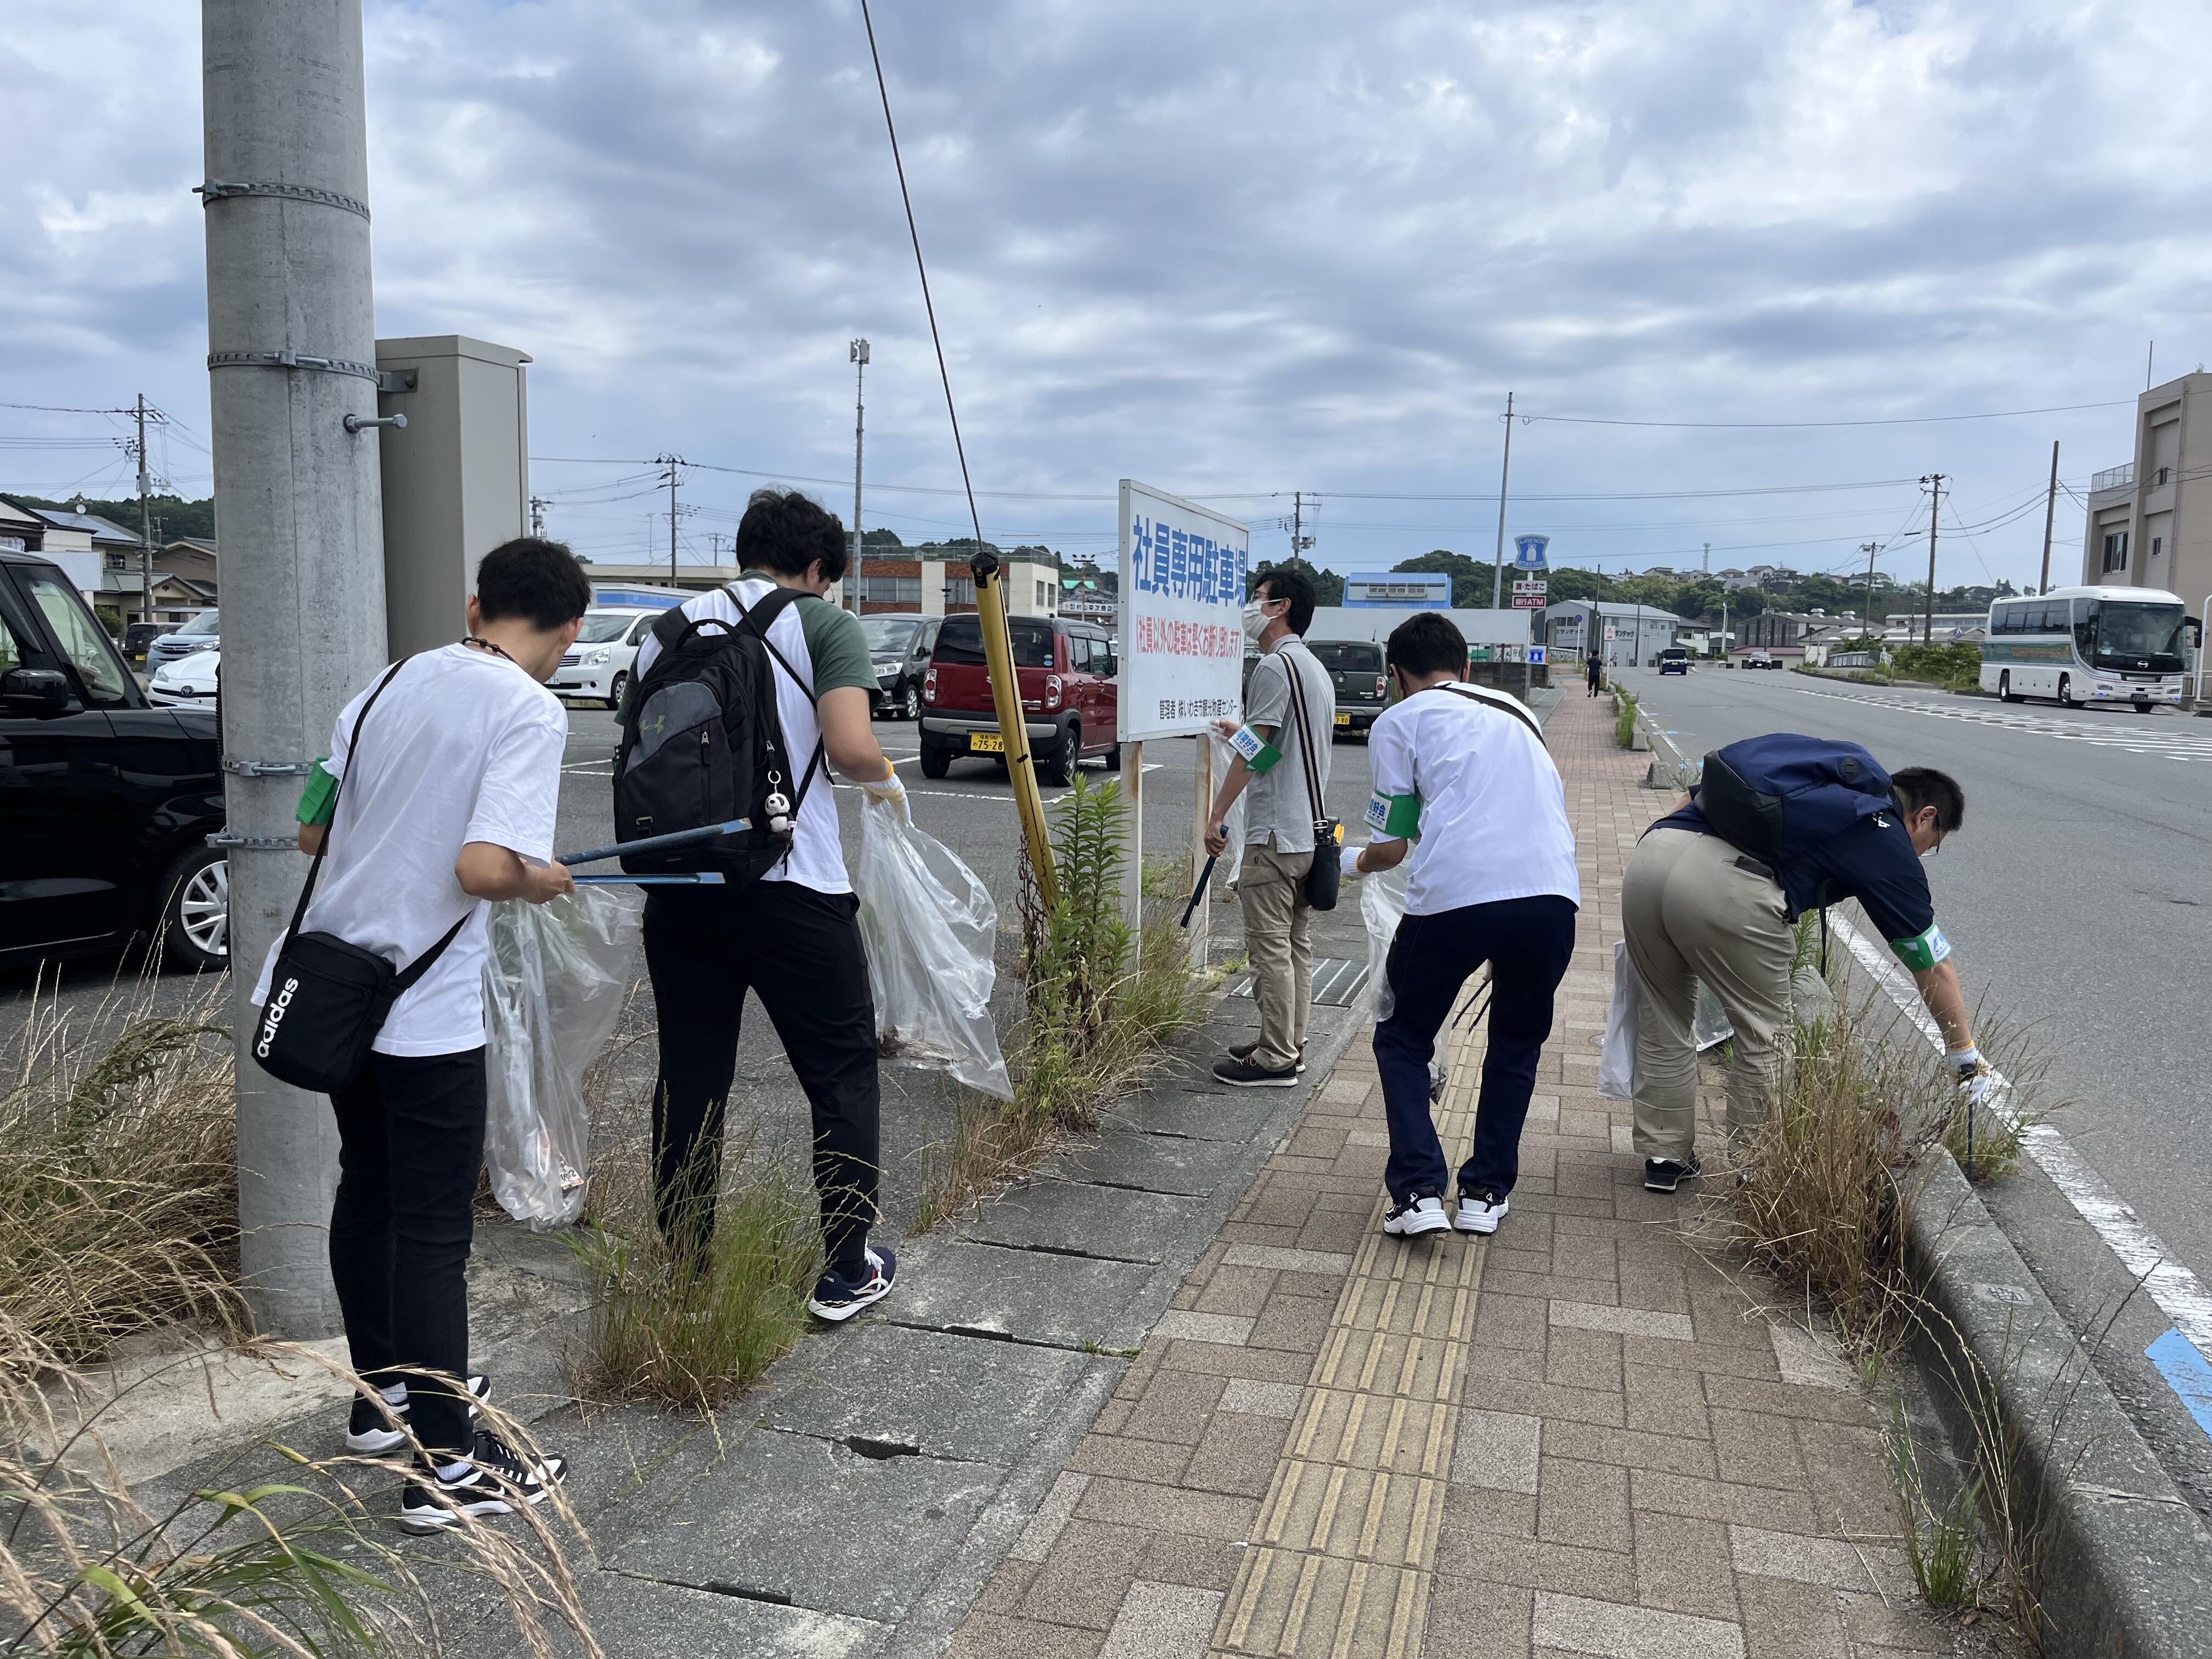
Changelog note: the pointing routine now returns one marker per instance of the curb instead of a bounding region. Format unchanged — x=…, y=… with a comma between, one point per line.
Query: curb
x=1671, y=769
x=2126, y=1567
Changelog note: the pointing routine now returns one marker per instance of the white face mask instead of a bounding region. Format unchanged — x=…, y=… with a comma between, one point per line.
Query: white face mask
x=1256, y=621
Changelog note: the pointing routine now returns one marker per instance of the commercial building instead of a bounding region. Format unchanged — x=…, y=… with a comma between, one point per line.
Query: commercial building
x=2149, y=522
x=1625, y=635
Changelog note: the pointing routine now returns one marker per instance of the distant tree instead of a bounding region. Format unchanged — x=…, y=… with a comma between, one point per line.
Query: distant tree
x=1570, y=582
x=1471, y=578
x=880, y=538
x=1328, y=586
x=173, y=516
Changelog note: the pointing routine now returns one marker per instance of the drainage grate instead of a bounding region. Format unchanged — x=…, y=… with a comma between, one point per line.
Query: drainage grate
x=1336, y=984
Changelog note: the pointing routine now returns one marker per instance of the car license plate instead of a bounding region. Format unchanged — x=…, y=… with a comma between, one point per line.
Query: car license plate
x=986, y=742
x=1344, y=719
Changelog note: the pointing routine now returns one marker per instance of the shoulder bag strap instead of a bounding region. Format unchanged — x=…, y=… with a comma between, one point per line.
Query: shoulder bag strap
x=1319, y=812
x=353, y=759
x=1505, y=705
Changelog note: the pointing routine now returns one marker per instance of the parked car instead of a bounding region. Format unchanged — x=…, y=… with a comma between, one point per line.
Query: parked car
x=138, y=636
x=1674, y=660
x=900, y=646
x=198, y=635
x=1066, y=672
x=597, y=666
x=1361, y=689
x=105, y=801
x=187, y=683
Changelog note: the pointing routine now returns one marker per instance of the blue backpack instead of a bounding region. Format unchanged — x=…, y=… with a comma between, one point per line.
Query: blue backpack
x=1779, y=796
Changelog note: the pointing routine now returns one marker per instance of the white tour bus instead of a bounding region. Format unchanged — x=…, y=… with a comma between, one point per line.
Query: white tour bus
x=2089, y=645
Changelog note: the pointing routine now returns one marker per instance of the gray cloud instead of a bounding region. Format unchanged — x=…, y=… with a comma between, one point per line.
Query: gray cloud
x=1221, y=248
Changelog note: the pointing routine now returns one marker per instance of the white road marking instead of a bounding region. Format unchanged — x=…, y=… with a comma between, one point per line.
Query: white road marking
x=2103, y=734
x=2180, y=1294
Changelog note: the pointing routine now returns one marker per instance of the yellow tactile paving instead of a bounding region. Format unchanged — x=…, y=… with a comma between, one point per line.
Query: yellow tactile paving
x=1340, y=1560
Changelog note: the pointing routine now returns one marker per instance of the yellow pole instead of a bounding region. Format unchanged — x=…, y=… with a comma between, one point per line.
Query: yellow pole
x=1013, y=729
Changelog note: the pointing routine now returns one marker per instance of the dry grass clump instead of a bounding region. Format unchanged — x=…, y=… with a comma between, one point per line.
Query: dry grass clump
x=300, y=1566
x=119, y=1191
x=665, y=1326
x=1103, y=1003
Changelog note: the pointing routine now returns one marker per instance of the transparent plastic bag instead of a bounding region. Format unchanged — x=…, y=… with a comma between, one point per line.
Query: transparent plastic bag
x=554, y=985
x=1381, y=907
x=931, y=930
x=1232, y=856
x=1616, y=1064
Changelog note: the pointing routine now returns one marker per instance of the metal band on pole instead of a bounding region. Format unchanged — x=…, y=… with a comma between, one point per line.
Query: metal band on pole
x=216, y=190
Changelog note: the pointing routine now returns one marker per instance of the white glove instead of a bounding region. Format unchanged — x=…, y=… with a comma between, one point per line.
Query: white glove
x=1972, y=1072
x=890, y=792
x=1347, y=861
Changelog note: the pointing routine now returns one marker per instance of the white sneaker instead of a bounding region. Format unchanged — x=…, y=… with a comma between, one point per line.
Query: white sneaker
x=1424, y=1212
x=1480, y=1213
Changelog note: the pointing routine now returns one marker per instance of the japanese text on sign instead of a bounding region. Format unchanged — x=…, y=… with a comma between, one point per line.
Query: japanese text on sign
x=1183, y=572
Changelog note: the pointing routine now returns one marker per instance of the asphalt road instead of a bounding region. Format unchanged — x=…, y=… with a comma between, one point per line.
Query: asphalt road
x=2076, y=895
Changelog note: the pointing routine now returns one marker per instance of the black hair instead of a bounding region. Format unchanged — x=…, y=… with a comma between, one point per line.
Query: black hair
x=532, y=578
x=1917, y=787
x=785, y=532
x=1427, y=644
x=1291, y=585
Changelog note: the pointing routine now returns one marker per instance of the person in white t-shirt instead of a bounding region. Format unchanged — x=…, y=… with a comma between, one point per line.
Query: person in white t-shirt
x=445, y=798
x=792, y=937
x=1462, y=781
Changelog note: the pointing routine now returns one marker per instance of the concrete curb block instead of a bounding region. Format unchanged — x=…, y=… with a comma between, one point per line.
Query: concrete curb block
x=1671, y=769
x=2128, y=1566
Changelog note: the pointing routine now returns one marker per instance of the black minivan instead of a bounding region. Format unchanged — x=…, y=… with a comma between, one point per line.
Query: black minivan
x=106, y=802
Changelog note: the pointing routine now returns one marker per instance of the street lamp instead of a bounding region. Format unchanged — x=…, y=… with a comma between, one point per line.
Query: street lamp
x=858, y=356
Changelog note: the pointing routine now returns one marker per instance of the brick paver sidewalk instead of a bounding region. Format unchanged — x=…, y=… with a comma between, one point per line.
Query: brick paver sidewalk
x=1575, y=1437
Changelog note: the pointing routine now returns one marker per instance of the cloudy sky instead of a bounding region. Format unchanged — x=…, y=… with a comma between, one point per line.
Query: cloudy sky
x=1232, y=249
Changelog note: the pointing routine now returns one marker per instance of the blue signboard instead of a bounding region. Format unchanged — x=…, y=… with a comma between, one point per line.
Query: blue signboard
x=1529, y=552
x=1397, y=590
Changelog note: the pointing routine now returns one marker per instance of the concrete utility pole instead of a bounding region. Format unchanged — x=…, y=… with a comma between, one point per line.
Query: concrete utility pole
x=860, y=361
x=1504, y=471
x=292, y=355
x=1706, y=567
x=670, y=478
x=2049, y=508
x=147, y=520
x=1869, y=549
x=1935, y=481
x=538, y=505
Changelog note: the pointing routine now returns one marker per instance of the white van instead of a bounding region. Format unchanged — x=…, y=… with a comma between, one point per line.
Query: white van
x=597, y=668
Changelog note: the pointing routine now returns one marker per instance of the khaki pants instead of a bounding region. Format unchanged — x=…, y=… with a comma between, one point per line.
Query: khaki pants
x=1691, y=912
x=1271, y=888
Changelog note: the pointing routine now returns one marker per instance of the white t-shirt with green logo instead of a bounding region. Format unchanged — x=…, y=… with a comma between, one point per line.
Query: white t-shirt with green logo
x=1470, y=781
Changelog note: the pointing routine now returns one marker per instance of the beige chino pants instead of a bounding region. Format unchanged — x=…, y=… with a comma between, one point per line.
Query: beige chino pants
x=1271, y=890
x=1691, y=911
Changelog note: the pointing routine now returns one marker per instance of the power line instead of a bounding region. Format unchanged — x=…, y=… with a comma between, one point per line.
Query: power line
x=1899, y=420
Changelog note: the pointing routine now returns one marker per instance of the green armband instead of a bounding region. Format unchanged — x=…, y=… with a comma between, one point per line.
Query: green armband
x=1394, y=817
x=319, y=798
x=1923, y=950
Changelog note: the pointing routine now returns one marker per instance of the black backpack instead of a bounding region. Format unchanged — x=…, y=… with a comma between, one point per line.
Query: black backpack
x=702, y=744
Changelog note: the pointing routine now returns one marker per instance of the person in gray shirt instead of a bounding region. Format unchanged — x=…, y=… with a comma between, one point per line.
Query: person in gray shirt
x=1290, y=697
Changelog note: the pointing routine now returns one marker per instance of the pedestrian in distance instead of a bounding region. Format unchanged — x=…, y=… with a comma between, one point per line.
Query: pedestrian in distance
x=1289, y=711
x=1594, y=671
x=1780, y=825
x=437, y=796
x=1464, y=786
x=791, y=936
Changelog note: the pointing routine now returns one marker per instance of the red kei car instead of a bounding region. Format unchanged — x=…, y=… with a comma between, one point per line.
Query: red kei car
x=1068, y=693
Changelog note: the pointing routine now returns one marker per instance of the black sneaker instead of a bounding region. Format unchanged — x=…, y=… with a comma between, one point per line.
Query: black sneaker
x=1424, y=1212
x=1243, y=1074
x=369, y=1432
x=495, y=1481
x=837, y=1296
x=1480, y=1213
x=1663, y=1175
x=1244, y=1051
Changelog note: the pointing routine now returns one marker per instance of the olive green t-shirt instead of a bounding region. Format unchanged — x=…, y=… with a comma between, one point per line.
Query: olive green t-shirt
x=835, y=641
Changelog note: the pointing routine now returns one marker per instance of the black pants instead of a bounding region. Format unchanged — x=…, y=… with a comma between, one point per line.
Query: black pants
x=410, y=1142
x=1526, y=943
x=799, y=951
